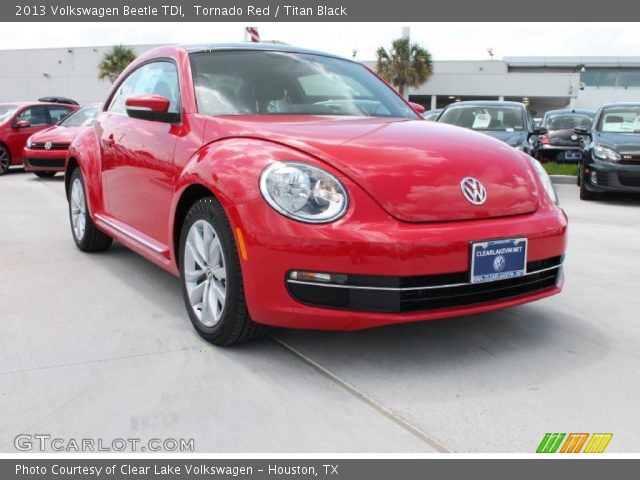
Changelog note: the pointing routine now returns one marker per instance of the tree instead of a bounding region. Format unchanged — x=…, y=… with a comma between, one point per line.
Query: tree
x=114, y=62
x=405, y=64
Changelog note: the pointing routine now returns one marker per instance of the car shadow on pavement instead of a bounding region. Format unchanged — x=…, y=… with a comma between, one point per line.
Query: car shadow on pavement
x=529, y=344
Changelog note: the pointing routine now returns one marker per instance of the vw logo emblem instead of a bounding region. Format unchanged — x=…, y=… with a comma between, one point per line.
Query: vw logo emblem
x=473, y=190
x=499, y=263
x=574, y=137
x=48, y=145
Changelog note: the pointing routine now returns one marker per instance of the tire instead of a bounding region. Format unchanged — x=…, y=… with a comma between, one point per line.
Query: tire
x=579, y=176
x=5, y=159
x=87, y=237
x=584, y=193
x=212, y=276
x=45, y=174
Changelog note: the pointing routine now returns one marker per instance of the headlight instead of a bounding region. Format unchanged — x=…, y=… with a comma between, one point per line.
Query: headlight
x=604, y=153
x=29, y=143
x=544, y=178
x=303, y=192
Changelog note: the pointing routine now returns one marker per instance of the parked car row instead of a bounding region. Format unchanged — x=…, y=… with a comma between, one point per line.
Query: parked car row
x=37, y=135
x=605, y=144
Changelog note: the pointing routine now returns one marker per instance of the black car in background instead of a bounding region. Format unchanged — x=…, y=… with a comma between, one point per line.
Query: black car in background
x=561, y=143
x=506, y=121
x=611, y=155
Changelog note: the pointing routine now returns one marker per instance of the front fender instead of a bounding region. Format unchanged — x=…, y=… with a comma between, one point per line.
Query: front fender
x=85, y=152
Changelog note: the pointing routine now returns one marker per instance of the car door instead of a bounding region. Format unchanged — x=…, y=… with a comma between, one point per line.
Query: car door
x=38, y=119
x=137, y=155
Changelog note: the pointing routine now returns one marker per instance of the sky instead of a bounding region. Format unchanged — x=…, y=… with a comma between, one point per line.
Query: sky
x=445, y=41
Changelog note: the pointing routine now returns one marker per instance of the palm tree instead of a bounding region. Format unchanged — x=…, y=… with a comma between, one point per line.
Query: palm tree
x=405, y=64
x=114, y=62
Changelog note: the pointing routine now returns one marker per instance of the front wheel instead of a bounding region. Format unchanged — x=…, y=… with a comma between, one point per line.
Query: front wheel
x=86, y=235
x=45, y=174
x=5, y=159
x=584, y=193
x=212, y=284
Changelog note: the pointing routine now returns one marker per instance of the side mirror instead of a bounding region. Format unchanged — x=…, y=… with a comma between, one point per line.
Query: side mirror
x=22, y=124
x=419, y=109
x=150, y=107
x=539, y=130
x=581, y=131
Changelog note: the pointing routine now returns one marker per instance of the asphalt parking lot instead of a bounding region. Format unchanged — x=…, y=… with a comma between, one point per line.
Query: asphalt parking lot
x=99, y=346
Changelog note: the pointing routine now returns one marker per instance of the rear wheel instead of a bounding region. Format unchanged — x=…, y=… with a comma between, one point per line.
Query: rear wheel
x=45, y=174
x=212, y=284
x=87, y=237
x=5, y=159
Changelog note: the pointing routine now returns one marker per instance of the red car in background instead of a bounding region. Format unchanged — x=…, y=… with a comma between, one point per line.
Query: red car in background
x=295, y=188
x=46, y=151
x=18, y=121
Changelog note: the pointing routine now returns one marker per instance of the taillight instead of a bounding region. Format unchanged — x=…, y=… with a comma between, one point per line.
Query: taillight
x=544, y=139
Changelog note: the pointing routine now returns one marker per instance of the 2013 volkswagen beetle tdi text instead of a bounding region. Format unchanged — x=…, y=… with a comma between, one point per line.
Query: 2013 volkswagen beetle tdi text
x=294, y=188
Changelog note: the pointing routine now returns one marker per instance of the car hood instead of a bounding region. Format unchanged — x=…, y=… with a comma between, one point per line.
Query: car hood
x=412, y=168
x=622, y=142
x=56, y=134
x=510, y=138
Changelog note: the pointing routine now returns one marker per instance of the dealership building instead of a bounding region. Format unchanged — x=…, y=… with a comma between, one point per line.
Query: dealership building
x=544, y=83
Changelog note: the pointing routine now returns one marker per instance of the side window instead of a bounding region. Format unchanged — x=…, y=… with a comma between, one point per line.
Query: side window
x=36, y=116
x=158, y=78
x=58, y=113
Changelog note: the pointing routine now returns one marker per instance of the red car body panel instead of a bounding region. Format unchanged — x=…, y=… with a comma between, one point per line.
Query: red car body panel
x=16, y=138
x=406, y=214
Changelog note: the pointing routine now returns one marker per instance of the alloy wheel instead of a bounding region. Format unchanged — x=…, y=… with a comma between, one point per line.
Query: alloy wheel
x=205, y=273
x=4, y=160
x=78, y=209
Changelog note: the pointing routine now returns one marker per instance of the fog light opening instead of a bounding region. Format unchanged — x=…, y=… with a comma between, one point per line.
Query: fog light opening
x=317, y=277
x=594, y=178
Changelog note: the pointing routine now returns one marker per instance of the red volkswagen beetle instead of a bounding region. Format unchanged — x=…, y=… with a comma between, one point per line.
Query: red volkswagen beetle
x=18, y=121
x=294, y=188
x=46, y=151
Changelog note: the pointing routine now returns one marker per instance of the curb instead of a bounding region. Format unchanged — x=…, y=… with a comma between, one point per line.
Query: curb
x=563, y=179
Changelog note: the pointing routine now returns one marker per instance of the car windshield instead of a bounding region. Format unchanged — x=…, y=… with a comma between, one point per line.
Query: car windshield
x=282, y=83
x=620, y=120
x=486, y=118
x=6, y=111
x=85, y=117
x=567, y=121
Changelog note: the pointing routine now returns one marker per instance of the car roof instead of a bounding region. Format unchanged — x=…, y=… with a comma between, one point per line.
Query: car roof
x=621, y=104
x=259, y=47
x=24, y=104
x=486, y=103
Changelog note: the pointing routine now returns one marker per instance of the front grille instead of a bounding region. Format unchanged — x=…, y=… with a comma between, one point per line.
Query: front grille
x=54, y=146
x=629, y=180
x=45, y=162
x=630, y=159
x=424, y=293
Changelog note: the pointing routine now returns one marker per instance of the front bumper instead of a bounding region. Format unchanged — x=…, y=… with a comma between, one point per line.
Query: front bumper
x=611, y=177
x=378, y=246
x=44, y=160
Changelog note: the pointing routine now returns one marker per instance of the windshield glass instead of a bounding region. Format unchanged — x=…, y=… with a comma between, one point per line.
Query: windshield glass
x=620, y=120
x=567, y=121
x=6, y=111
x=281, y=83
x=85, y=117
x=486, y=118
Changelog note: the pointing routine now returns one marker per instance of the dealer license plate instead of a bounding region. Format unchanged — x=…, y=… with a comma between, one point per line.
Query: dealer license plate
x=498, y=260
x=571, y=155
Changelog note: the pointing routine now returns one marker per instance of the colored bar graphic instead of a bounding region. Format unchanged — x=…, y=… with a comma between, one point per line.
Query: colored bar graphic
x=574, y=443
x=598, y=442
x=550, y=442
